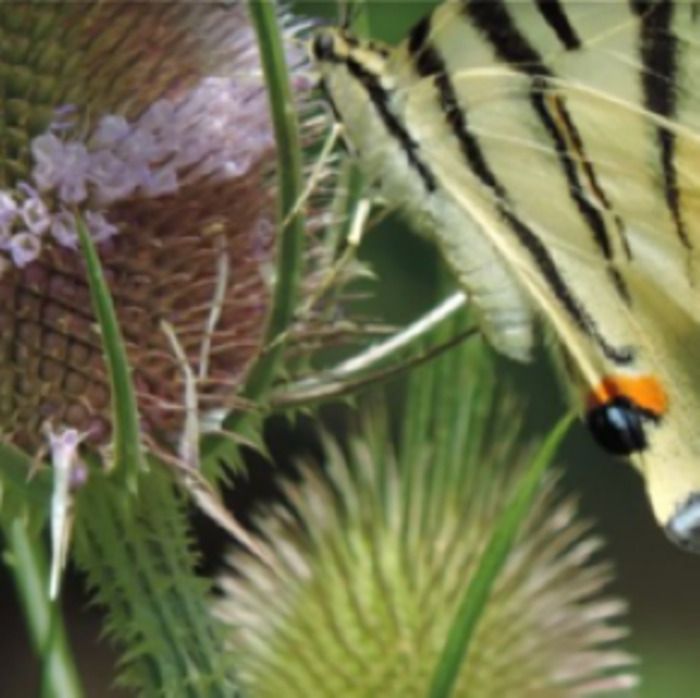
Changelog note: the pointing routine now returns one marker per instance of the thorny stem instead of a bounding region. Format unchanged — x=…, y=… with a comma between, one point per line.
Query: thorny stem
x=263, y=15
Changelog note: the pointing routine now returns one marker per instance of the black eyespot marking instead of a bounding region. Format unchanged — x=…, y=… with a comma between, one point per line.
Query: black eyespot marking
x=618, y=426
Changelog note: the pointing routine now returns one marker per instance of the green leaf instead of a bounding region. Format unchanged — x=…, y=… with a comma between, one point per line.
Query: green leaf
x=128, y=457
x=20, y=492
x=491, y=563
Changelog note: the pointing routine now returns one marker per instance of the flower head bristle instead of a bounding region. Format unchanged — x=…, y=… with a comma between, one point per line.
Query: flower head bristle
x=363, y=586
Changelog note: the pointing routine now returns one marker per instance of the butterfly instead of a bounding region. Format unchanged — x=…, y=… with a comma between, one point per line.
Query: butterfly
x=551, y=148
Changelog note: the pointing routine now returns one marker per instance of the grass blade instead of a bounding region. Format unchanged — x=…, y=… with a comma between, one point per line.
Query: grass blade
x=494, y=557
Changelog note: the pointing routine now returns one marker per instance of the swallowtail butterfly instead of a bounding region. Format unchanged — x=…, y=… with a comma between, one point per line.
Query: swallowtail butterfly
x=551, y=148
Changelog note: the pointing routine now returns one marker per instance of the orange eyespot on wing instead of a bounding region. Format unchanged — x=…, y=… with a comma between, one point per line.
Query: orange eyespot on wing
x=645, y=392
x=620, y=409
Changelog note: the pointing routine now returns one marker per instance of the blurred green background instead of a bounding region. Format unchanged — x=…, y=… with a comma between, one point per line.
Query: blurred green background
x=661, y=584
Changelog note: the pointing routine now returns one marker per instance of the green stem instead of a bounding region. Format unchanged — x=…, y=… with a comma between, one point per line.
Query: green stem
x=30, y=571
x=492, y=561
x=128, y=460
x=290, y=186
x=360, y=19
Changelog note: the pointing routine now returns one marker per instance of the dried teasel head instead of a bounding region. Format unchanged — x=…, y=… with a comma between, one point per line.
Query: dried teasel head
x=151, y=121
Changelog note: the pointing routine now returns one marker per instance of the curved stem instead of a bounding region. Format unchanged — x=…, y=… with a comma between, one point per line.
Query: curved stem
x=290, y=187
x=353, y=372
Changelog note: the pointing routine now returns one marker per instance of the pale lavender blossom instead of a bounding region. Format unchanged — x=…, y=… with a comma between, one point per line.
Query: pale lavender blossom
x=161, y=181
x=100, y=228
x=72, y=185
x=109, y=159
x=189, y=108
x=61, y=166
x=192, y=147
x=214, y=130
x=111, y=130
x=158, y=118
x=24, y=247
x=196, y=133
x=35, y=215
x=113, y=178
x=238, y=167
x=143, y=146
x=47, y=150
x=63, y=230
x=8, y=212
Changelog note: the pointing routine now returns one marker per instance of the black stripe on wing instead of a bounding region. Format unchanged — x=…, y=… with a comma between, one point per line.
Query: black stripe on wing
x=658, y=48
x=428, y=62
x=495, y=24
x=554, y=14
x=380, y=99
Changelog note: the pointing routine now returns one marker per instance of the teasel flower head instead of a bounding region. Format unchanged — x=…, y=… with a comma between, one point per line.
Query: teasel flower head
x=370, y=554
x=151, y=122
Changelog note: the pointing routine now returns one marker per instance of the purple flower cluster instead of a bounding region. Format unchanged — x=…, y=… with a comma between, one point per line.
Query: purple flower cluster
x=214, y=130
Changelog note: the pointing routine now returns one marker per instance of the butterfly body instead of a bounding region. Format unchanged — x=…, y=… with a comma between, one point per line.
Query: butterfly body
x=401, y=176
x=550, y=151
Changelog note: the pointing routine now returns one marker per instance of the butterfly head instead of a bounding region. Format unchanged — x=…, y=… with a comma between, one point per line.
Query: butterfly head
x=358, y=87
x=324, y=45
x=335, y=45
x=336, y=51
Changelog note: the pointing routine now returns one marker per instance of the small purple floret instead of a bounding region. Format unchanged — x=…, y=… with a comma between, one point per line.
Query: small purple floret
x=24, y=248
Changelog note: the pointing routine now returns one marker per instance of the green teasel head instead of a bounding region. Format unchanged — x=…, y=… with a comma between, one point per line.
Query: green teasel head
x=369, y=554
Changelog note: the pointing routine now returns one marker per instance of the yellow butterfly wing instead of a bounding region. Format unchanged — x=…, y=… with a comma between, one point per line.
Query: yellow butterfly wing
x=589, y=196
x=550, y=149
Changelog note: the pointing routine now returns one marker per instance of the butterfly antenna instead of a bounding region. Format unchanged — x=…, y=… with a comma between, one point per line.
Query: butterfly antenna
x=347, y=11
